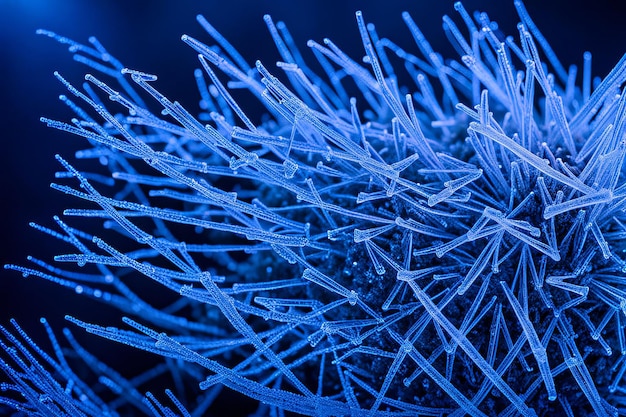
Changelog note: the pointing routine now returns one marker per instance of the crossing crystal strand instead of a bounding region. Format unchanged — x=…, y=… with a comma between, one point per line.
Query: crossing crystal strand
x=539, y=351
x=465, y=403
x=430, y=54
x=529, y=157
x=225, y=94
x=233, y=316
x=453, y=186
x=481, y=263
x=602, y=196
x=474, y=355
x=580, y=372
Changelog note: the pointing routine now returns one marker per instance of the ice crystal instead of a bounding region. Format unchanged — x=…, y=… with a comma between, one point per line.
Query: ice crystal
x=449, y=247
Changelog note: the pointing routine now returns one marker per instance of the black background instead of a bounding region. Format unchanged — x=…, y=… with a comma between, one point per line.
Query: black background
x=145, y=35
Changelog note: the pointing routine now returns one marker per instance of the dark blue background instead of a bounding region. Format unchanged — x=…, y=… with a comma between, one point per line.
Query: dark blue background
x=145, y=35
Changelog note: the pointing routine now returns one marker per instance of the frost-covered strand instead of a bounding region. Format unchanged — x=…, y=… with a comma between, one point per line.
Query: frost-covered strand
x=470, y=350
x=539, y=351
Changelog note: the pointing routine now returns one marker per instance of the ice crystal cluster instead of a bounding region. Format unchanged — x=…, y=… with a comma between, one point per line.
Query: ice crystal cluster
x=447, y=247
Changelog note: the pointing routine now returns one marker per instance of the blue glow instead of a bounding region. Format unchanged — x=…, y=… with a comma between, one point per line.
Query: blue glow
x=398, y=234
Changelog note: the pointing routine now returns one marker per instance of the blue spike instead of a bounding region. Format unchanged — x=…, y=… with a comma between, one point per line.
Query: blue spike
x=539, y=351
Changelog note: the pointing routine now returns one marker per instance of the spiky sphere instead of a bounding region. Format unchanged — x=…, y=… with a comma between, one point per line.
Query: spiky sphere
x=448, y=247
